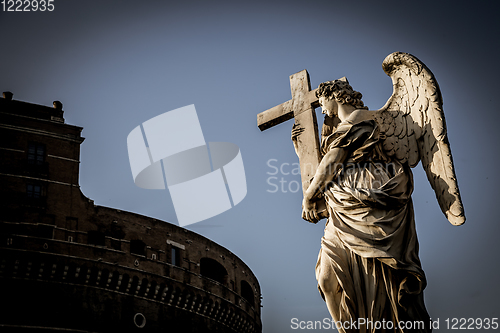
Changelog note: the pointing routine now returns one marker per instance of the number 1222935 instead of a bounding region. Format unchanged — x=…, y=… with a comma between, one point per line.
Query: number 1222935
x=27, y=5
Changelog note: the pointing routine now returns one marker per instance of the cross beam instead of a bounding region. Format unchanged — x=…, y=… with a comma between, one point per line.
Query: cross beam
x=302, y=108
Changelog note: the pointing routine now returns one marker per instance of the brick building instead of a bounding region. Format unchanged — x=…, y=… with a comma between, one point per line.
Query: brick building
x=68, y=264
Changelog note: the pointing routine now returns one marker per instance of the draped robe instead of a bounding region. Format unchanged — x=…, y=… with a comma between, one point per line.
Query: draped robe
x=369, y=252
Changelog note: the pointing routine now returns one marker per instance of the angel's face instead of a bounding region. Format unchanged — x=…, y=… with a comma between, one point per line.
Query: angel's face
x=329, y=106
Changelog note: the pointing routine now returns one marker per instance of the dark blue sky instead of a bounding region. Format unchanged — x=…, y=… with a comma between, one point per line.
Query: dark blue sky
x=116, y=64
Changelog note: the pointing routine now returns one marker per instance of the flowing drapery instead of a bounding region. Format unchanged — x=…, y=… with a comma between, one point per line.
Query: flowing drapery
x=368, y=263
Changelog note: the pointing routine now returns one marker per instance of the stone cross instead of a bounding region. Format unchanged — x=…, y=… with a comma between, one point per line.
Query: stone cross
x=302, y=108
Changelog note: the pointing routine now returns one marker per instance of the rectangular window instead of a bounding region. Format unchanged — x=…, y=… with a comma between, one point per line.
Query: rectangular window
x=34, y=191
x=36, y=153
x=176, y=256
x=96, y=238
x=138, y=247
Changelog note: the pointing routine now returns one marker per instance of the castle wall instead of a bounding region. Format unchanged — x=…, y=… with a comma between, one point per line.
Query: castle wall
x=79, y=266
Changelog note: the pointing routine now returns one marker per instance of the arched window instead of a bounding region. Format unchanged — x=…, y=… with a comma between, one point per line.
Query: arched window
x=247, y=292
x=212, y=269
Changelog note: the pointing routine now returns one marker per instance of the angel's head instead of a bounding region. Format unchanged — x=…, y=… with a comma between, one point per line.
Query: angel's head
x=339, y=91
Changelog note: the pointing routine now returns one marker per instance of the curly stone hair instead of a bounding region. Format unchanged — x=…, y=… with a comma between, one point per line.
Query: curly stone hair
x=342, y=92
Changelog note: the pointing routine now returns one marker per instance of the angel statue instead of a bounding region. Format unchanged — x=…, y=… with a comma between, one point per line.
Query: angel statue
x=368, y=269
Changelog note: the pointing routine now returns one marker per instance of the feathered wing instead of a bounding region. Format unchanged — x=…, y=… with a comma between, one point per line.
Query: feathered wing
x=414, y=127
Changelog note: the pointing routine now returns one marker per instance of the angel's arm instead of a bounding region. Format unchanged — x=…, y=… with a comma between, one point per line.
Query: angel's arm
x=325, y=172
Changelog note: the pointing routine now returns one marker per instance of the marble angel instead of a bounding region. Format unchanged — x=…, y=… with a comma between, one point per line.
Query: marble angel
x=368, y=268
